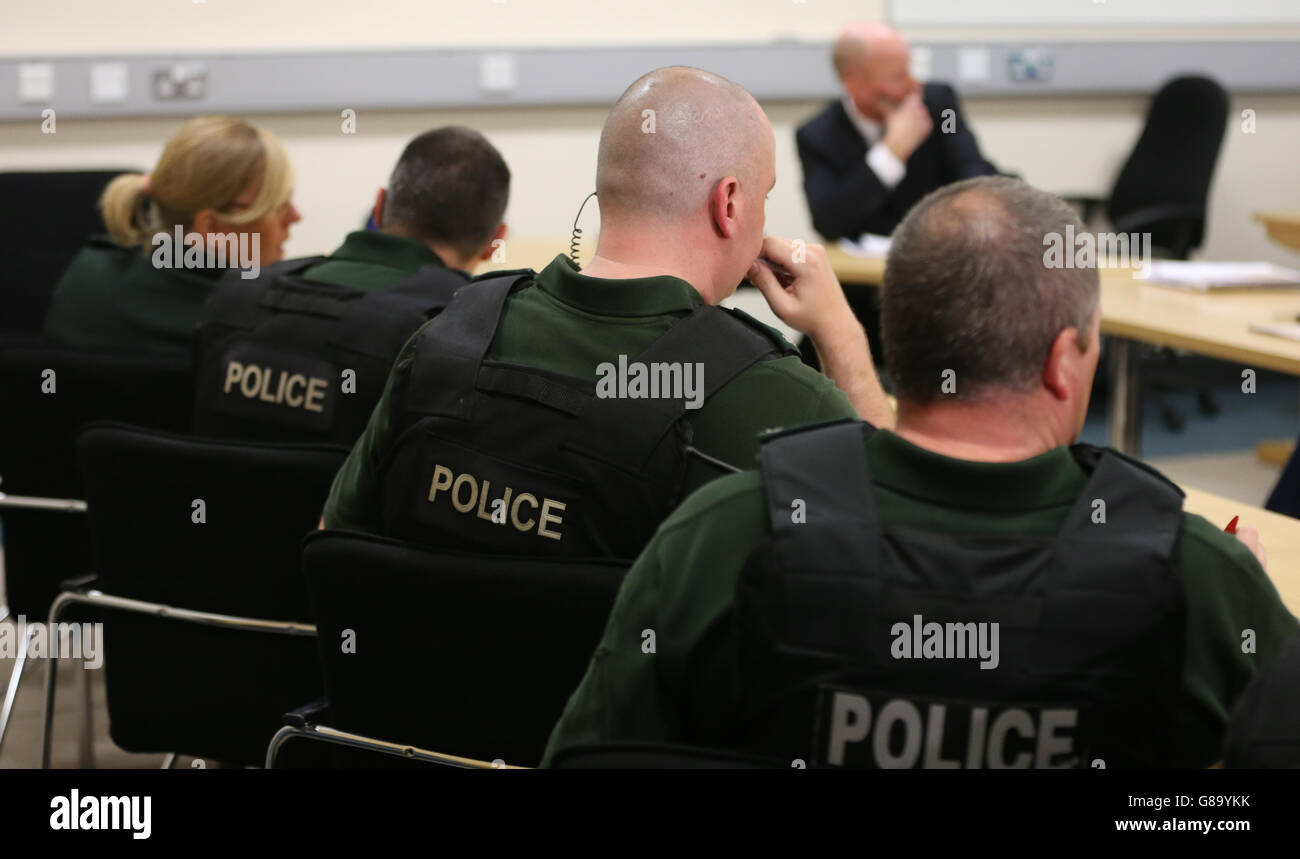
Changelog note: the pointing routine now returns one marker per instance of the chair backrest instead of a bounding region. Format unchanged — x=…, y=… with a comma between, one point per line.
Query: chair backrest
x=469, y=655
x=1172, y=163
x=46, y=395
x=45, y=218
x=184, y=687
x=1264, y=731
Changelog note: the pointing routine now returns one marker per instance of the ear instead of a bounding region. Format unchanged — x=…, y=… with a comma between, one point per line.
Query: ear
x=205, y=221
x=378, y=214
x=1061, y=368
x=491, y=247
x=724, y=206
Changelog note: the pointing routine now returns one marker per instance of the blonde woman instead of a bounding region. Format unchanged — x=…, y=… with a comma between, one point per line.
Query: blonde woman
x=218, y=199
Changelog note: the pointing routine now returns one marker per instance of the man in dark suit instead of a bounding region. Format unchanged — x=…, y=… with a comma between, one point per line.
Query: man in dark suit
x=870, y=156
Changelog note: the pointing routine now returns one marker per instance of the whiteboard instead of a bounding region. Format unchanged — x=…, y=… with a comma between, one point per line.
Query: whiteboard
x=1125, y=13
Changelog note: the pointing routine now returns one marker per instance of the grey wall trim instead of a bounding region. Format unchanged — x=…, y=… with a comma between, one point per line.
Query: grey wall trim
x=308, y=81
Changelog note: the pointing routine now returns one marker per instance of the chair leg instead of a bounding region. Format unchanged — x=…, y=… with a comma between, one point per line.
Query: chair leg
x=20, y=663
x=86, y=744
x=281, y=737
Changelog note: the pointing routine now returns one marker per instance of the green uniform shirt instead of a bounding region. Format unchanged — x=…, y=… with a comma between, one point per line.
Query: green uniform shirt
x=569, y=323
x=113, y=299
x=369, y=260
x=682, y=588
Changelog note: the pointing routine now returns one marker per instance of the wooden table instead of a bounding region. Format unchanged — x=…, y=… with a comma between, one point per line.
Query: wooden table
x=1215, y=324
x=1279, y=534
x=1282, y=227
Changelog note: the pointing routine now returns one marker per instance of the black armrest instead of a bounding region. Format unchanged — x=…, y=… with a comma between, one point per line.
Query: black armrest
x=79, y=583
x=1088, y=205
x=1136, y=220
x=1188, y=219
x=307, y=715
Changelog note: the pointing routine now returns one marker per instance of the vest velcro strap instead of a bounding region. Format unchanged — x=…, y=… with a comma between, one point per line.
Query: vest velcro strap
x=819, y=497
x=626, y=430
x=314, y=302
x=450, y=350
x=521, y=383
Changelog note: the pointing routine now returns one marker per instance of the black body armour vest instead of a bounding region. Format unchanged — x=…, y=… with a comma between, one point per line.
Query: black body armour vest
x=280, y=358
x=509, y=459
x=869, y=645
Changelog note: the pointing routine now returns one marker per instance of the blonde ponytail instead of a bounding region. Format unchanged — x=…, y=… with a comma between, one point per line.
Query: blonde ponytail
x=125, y=206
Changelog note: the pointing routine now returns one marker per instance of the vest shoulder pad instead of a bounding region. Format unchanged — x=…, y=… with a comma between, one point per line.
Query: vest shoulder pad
x=1089, y=455
x=778, y=339
x=511, y=273
x=775, y=435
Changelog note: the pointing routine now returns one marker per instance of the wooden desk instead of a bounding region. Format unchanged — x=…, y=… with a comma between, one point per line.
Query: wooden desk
x=1282, y=227
x=1279, y=534
x=855, y=269
x=1214, y=324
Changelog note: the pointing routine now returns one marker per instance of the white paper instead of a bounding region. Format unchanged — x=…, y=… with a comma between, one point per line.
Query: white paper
x=866, y=245
x=1220, y=275
x=1289, y=330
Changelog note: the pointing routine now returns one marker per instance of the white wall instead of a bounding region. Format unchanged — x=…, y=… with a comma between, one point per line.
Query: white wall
x=1062, y=144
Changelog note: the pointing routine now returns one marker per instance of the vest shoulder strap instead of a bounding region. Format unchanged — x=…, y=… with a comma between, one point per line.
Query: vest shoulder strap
x=449, y=351
x=820, y=504
x=381, y=320
x=721, y=343
x=778, y=340
x=1139, y=504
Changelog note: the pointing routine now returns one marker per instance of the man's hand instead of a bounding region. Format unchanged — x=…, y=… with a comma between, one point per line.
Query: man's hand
x=802, y=290
x=1250, y=537
x=797, y=281
x=907, y=125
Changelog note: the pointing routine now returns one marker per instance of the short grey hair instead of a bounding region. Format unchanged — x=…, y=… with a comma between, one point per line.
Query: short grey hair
x=967, y=289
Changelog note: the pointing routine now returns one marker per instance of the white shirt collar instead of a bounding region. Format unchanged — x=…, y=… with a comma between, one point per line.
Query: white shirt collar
x=868, y=128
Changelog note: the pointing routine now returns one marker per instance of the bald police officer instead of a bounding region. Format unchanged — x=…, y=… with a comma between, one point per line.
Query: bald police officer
x=302, y=351
x=565, y=412
x=966, y=591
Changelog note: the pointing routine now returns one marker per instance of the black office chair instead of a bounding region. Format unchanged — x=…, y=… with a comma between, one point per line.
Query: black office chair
x=1164, y=189
x=468, y=659
x=45, y=218
x=640, y=756
x=206, y=622
x=1264, y=731
x=46, y=395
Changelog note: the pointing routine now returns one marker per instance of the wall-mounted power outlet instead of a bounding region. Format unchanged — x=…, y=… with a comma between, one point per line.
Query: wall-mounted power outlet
x=183, y=81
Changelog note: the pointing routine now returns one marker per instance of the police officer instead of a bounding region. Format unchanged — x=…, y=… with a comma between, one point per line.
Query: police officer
x=134, y=292
x=565, y=412
x=965, y=591
x=302, y=350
